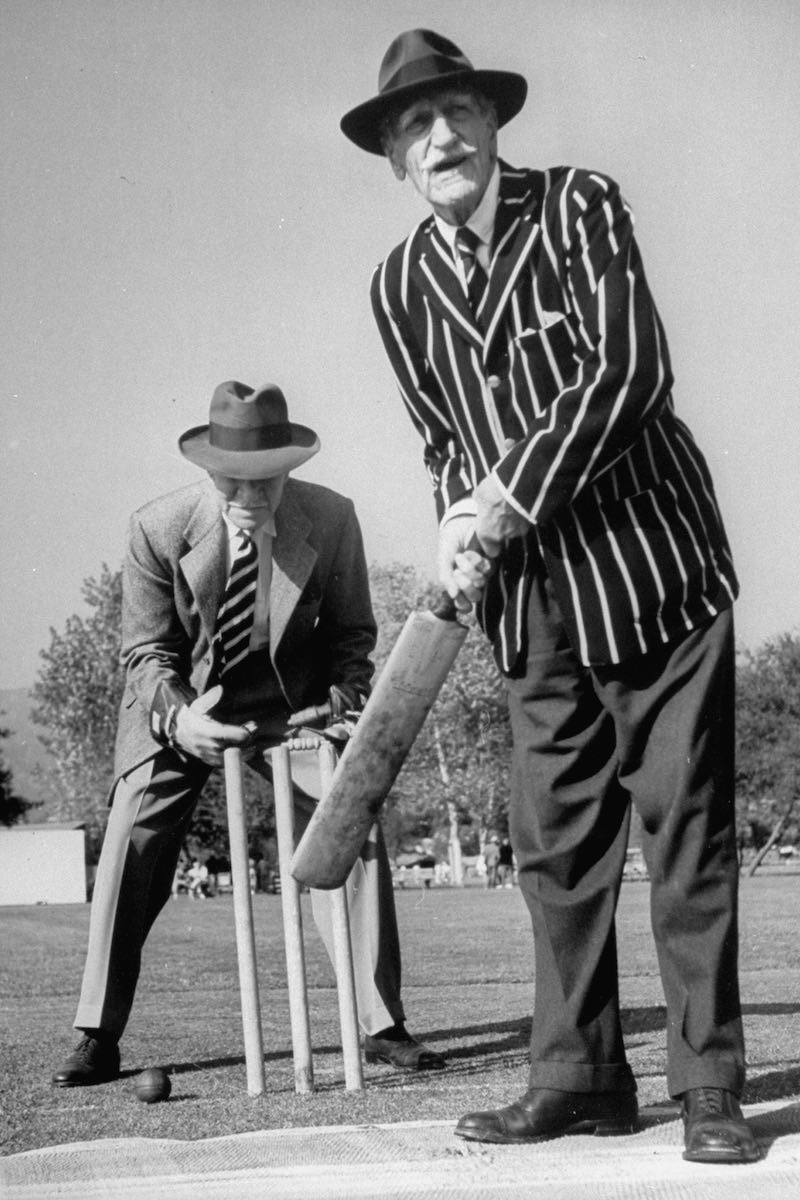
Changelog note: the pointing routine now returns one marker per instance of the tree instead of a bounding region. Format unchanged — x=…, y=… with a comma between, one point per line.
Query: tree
x=768, y=742
x=456, y=774
x=76, y=700
x=12, y=807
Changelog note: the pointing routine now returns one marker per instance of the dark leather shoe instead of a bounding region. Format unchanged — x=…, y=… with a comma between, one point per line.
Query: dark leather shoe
x=94, y=1060
x=715, y=1130
x=544, y=1113
x=405, y=1053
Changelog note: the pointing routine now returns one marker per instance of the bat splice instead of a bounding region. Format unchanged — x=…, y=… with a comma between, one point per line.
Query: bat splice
x=393, y=716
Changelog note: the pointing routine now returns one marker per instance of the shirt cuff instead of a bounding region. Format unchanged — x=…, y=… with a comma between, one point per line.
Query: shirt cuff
x=466, y=507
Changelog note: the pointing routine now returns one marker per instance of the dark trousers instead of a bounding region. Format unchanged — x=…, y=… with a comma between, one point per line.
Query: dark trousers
x=657, y=731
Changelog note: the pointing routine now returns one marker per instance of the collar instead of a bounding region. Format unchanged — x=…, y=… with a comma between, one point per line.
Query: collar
x=482, y=220
x=267, y=530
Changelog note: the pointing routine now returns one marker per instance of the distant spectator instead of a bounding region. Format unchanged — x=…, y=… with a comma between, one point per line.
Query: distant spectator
x=491, y=856
x=505, y=865
x=180, y=881
x=198, y=880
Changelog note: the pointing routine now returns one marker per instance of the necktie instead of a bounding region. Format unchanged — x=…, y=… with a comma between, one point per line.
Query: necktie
x=467, y=243
x=235, y=616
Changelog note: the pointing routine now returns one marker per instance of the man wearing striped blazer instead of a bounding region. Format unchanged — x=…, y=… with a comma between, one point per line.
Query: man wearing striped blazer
x=532, y=361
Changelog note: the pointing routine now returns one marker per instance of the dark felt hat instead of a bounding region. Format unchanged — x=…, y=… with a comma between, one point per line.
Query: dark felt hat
x=421, y=61
x=249, y=434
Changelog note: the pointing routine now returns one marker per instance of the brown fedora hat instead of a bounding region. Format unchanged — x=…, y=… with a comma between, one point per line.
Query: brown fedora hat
x=249, y=434
x=422, y=61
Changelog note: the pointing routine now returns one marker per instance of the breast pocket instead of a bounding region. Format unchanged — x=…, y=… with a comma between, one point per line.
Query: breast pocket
x=548, y=354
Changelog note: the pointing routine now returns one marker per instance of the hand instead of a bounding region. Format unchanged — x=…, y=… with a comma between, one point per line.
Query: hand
x=497, y=520
x=315, y=714
x=203, y=737
x=462, y=571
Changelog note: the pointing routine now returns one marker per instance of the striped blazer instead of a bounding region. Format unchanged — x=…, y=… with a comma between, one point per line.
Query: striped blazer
x=566, y=363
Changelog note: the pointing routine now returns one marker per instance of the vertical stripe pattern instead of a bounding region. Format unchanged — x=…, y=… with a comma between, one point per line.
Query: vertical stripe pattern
x=235, y=616
x=569, y=364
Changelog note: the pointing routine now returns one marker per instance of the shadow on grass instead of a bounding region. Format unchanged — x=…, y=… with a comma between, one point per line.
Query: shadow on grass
x=508, y=1040
x=774, y=1085
x=782, y=1122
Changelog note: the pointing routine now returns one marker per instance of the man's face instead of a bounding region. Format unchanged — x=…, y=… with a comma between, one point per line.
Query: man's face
x=446, y=143
x=248, y=503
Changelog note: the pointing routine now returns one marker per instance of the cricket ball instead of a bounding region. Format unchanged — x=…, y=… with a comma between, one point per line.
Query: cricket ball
x=152, y=1085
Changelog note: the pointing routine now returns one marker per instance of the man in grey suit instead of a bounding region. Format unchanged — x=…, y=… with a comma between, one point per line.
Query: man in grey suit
x=246, y=615
x=532, y=360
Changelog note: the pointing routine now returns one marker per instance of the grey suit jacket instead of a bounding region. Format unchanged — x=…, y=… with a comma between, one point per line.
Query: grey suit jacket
x=322, y=629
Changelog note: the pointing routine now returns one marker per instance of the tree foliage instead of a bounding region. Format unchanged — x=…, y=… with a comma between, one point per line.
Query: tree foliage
x=12, y=807
x=768, y=739
x=76, y=700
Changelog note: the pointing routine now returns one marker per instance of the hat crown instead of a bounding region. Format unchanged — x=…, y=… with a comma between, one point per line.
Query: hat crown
x=241, y=418
x=419, y=54
x=249, y=434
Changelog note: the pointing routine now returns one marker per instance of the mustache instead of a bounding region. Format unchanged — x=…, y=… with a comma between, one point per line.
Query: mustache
x=452, y=159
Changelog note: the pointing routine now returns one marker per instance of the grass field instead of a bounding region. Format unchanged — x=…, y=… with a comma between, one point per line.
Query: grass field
x=468, y=990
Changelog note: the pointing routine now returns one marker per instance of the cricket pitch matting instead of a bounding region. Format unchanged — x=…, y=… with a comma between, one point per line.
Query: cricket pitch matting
x=411, y=1160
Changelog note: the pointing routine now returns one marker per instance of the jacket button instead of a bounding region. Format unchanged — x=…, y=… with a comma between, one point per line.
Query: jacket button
x=494, y=382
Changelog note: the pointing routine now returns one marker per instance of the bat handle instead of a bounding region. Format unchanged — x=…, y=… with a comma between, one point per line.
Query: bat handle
x=445, y=607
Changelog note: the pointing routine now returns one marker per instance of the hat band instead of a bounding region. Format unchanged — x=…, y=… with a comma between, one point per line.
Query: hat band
x=253, y=437
x=423, y=70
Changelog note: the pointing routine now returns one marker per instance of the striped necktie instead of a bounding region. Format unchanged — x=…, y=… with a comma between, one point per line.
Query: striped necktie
x=467, y=243
x=235, y=616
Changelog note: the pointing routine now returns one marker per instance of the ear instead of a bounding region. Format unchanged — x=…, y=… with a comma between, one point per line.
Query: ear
x=395, y=162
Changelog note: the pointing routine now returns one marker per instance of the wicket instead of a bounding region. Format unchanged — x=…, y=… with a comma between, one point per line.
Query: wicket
x=292, y=929
x=243, y=917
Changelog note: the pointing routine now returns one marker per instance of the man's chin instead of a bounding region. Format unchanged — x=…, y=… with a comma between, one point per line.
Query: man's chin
x=247, y=522
x=456, y=204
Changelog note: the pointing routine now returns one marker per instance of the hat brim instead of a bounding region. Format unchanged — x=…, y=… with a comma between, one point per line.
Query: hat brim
x=249, y=464
x=506, y=89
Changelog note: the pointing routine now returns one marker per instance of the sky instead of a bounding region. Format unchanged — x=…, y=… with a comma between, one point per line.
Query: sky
x=179, y=207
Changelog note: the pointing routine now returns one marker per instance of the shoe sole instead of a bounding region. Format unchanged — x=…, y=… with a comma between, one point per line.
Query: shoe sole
x=83, y=1083
x=68, y=1083
x=721, y=1156
x=595, y=1128
x=373, y=1058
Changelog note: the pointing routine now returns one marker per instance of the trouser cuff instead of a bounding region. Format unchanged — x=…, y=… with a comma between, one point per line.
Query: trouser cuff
x=582, y=1077
x=727, y=1075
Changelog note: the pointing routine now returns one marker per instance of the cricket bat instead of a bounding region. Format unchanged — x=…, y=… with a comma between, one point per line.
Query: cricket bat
x=393, y=716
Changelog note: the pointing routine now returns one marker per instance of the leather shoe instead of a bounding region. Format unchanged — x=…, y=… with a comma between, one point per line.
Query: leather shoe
x=715, y=1130
x=402, y=1051
x=544, y=1113
x=94, y=1060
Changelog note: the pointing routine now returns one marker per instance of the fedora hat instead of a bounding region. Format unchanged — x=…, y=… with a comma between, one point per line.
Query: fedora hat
x=421, y=61
x=249, y=434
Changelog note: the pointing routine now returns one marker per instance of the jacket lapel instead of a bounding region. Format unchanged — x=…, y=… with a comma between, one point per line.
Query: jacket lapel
x=516, y=228
x=293, y=561
x=434, y=272
x=204, y=565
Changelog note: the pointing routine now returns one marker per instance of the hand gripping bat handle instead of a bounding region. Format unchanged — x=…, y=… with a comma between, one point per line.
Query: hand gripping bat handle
x=445, y=607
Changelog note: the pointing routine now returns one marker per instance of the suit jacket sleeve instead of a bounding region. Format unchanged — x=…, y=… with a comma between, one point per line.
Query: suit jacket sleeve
x=156, y=649
x=346, y=623
x=620, y=376
x=423, y=398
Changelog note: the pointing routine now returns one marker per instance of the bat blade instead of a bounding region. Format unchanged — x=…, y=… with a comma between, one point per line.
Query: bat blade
x=393, y=716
